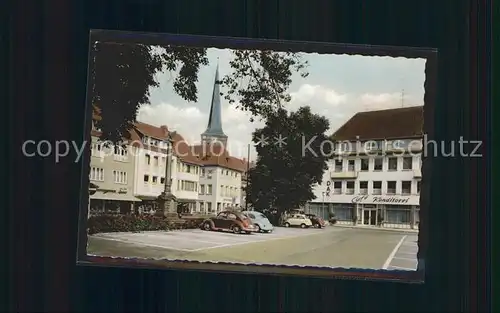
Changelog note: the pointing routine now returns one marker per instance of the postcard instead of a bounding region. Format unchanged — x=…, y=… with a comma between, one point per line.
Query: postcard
x=230, y=152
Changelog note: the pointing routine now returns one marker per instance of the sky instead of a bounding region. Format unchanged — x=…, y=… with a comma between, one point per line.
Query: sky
x=338, y=86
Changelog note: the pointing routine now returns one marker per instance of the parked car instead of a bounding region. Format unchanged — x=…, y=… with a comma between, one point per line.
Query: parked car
x=259, y=221
x=317, y=221
x=229, y=221
x=298, y=220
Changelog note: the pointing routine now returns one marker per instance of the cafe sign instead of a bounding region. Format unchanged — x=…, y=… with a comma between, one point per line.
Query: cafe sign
x=380, y=199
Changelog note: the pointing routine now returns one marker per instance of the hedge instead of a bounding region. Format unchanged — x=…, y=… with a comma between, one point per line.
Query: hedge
x=136, y=223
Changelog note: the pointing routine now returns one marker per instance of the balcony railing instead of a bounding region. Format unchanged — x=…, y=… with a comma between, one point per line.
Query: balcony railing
x=343, y=175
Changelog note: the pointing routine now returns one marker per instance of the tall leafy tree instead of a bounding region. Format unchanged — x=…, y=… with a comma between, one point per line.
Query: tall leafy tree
x=293, y=152
x=122, y=75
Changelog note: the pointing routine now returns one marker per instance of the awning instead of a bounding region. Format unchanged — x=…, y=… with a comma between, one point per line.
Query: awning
x=112, y=196
x=148, y=198
x=187, y=200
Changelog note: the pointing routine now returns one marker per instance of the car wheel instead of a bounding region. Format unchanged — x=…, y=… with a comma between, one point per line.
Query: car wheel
x=207, y=226
x=236, y=229
x=317, y=225
x=303, y=226
x=257, y=227
x=287, y=224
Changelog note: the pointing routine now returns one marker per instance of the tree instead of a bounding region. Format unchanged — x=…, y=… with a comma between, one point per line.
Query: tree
x=122, y=74
x=286, y=171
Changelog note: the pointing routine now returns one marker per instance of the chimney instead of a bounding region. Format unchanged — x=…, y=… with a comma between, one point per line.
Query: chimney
x=165, y=129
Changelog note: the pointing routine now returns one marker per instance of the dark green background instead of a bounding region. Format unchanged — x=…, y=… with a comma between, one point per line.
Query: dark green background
x=49, y=70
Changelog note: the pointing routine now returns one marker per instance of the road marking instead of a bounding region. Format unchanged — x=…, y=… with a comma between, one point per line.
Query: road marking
x=143, y=244
x=393, y=253
x=242, y=243
x=402, y=268
x=404, y=259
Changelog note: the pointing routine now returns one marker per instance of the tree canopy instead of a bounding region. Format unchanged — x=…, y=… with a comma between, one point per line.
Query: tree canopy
x=286, y=170
x=122, y=75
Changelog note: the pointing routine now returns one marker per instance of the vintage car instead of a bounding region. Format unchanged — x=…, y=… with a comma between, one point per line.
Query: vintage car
x=229, y=221
x=317, y=221
x=298, y=220
x=259, y=221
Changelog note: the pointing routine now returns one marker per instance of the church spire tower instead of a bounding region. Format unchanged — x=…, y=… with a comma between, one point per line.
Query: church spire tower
x=214, y=130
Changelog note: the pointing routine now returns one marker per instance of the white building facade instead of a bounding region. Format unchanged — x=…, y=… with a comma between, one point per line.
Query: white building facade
x=150, y=170
x=372, y=183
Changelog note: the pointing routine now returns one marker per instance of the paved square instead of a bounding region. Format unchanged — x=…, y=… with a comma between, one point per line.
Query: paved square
x=331, y=247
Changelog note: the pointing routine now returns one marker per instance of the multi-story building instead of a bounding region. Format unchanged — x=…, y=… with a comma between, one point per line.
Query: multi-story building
x=375, y=176
x=112, y=172
x=151, y=151
x=205, y=178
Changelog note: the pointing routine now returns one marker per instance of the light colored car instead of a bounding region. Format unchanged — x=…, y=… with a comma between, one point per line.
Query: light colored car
x=260, y=221
x=298, y=220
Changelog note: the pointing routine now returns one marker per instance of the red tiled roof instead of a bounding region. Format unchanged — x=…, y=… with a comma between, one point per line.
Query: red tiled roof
x=209, y=155
x=215, y=154
x=384, y=124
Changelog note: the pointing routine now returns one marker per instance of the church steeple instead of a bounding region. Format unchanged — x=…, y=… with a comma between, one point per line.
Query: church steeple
x=214, y=130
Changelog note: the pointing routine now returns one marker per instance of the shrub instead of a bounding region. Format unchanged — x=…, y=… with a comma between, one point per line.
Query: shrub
x=135, y=223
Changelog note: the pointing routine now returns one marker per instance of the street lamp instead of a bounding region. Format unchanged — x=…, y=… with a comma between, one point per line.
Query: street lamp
x=323, y=203
x=167, y=206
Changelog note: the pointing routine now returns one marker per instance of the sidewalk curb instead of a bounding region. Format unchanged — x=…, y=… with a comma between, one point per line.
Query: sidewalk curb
x=409, y=231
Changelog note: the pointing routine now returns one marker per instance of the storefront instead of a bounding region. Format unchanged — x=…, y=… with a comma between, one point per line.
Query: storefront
x=111, y=202
x=367, y=210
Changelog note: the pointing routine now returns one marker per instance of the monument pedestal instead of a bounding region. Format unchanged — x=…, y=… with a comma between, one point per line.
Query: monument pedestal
x=167, y=206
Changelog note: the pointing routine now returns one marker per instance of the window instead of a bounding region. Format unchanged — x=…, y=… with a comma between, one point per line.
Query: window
x=363, y=187
x=364, y=164
x=209, y=206
x=96, y=149
x=218, y=206
x=146, y=178
x=406, y=187
x=187, y=185
x=155, y=161
x=370, y=145
x=377, y=187
x=351, y=165
x=148, y=159
x=377, y=164
x=155, y=179
x=163, y=161
x=337, y=187
x=418, y=187
x=202, y=189
x=228, y=191
x=96, y=174
x=202, y=172
x=338, y=165
x=407, y=163
x=162, y=180
x=391, y=187
x=349, y=188
x=392, y=164
x=222, y=191
x=120, y=177
x=209, y=189
x=231, y=216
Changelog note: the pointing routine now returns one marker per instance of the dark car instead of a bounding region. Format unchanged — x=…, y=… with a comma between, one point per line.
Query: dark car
x=317, y=221
x=229, y=221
